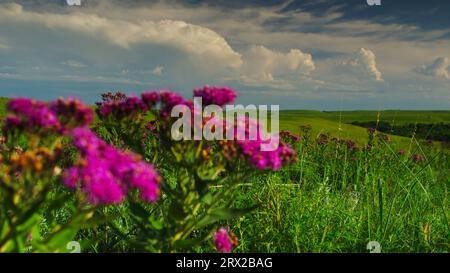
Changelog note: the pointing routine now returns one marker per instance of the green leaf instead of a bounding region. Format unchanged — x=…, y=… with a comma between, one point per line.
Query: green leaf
x=29, y=223
x=36, y=233
x=209, y=173
x=208, y=198
x=4, y=229
x=156, y=224
x=7, y=247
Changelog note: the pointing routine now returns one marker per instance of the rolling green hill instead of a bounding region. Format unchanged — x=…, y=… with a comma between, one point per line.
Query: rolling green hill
x=394, y=117
x=336, y=129
x=337, y=123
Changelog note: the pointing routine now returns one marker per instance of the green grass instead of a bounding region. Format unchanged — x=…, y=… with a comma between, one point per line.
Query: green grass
x=335, y=201
x=3, y=106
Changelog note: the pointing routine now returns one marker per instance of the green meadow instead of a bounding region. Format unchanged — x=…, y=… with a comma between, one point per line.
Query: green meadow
x=338, y=123
x=336, y=197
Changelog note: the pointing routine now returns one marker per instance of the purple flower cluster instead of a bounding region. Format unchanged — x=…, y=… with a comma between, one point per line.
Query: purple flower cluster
x=417, y=158
x=215, y=95
x=288, y=135
x=59, y=116
x=129, y=106
x=72, y=113
x=150, y=98
x=170, y=99
x=152, y=126
x=126, y=107
x=106, y=175
x=118, y=96
x=351, y=145
x=252, y=151
x=119, y=105
x=265, y=160
x=323, y=139
x=224, y=241
x=371, y=131
x=29, y=114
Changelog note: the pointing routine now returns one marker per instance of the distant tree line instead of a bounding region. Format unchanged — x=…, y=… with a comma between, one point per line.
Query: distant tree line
x=427, y=131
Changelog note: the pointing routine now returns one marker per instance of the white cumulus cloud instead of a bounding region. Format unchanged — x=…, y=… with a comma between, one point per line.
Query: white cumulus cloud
x=193, y=39
x=263, y=64
x=365, y=60
x=438, y=68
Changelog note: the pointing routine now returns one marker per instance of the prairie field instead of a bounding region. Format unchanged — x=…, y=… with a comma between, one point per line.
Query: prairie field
x=348, y=186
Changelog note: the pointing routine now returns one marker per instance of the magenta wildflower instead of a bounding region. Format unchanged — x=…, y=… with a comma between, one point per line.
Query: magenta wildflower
x=252, y=151
x=417, y=158
x=289, y=136
x=118, y=96
x=401, y=152
x=12, y=121
x=101, y=186
x=150, y=99
x=72, y=113
x=132, y=105
x=152, y=130
x=323, y=139
x=224, y=240
x=30, y=114
x=123, y=108
x=151, y=126
x=215, y=95
x=70, y=177
x=144, y=178
x=351, y=145
x=103, y=190
x=264, y=160
x=87, y=142
x=170, y=99
x=106, y=174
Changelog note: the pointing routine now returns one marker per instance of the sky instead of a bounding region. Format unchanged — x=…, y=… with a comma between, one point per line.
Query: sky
x=316, y=54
